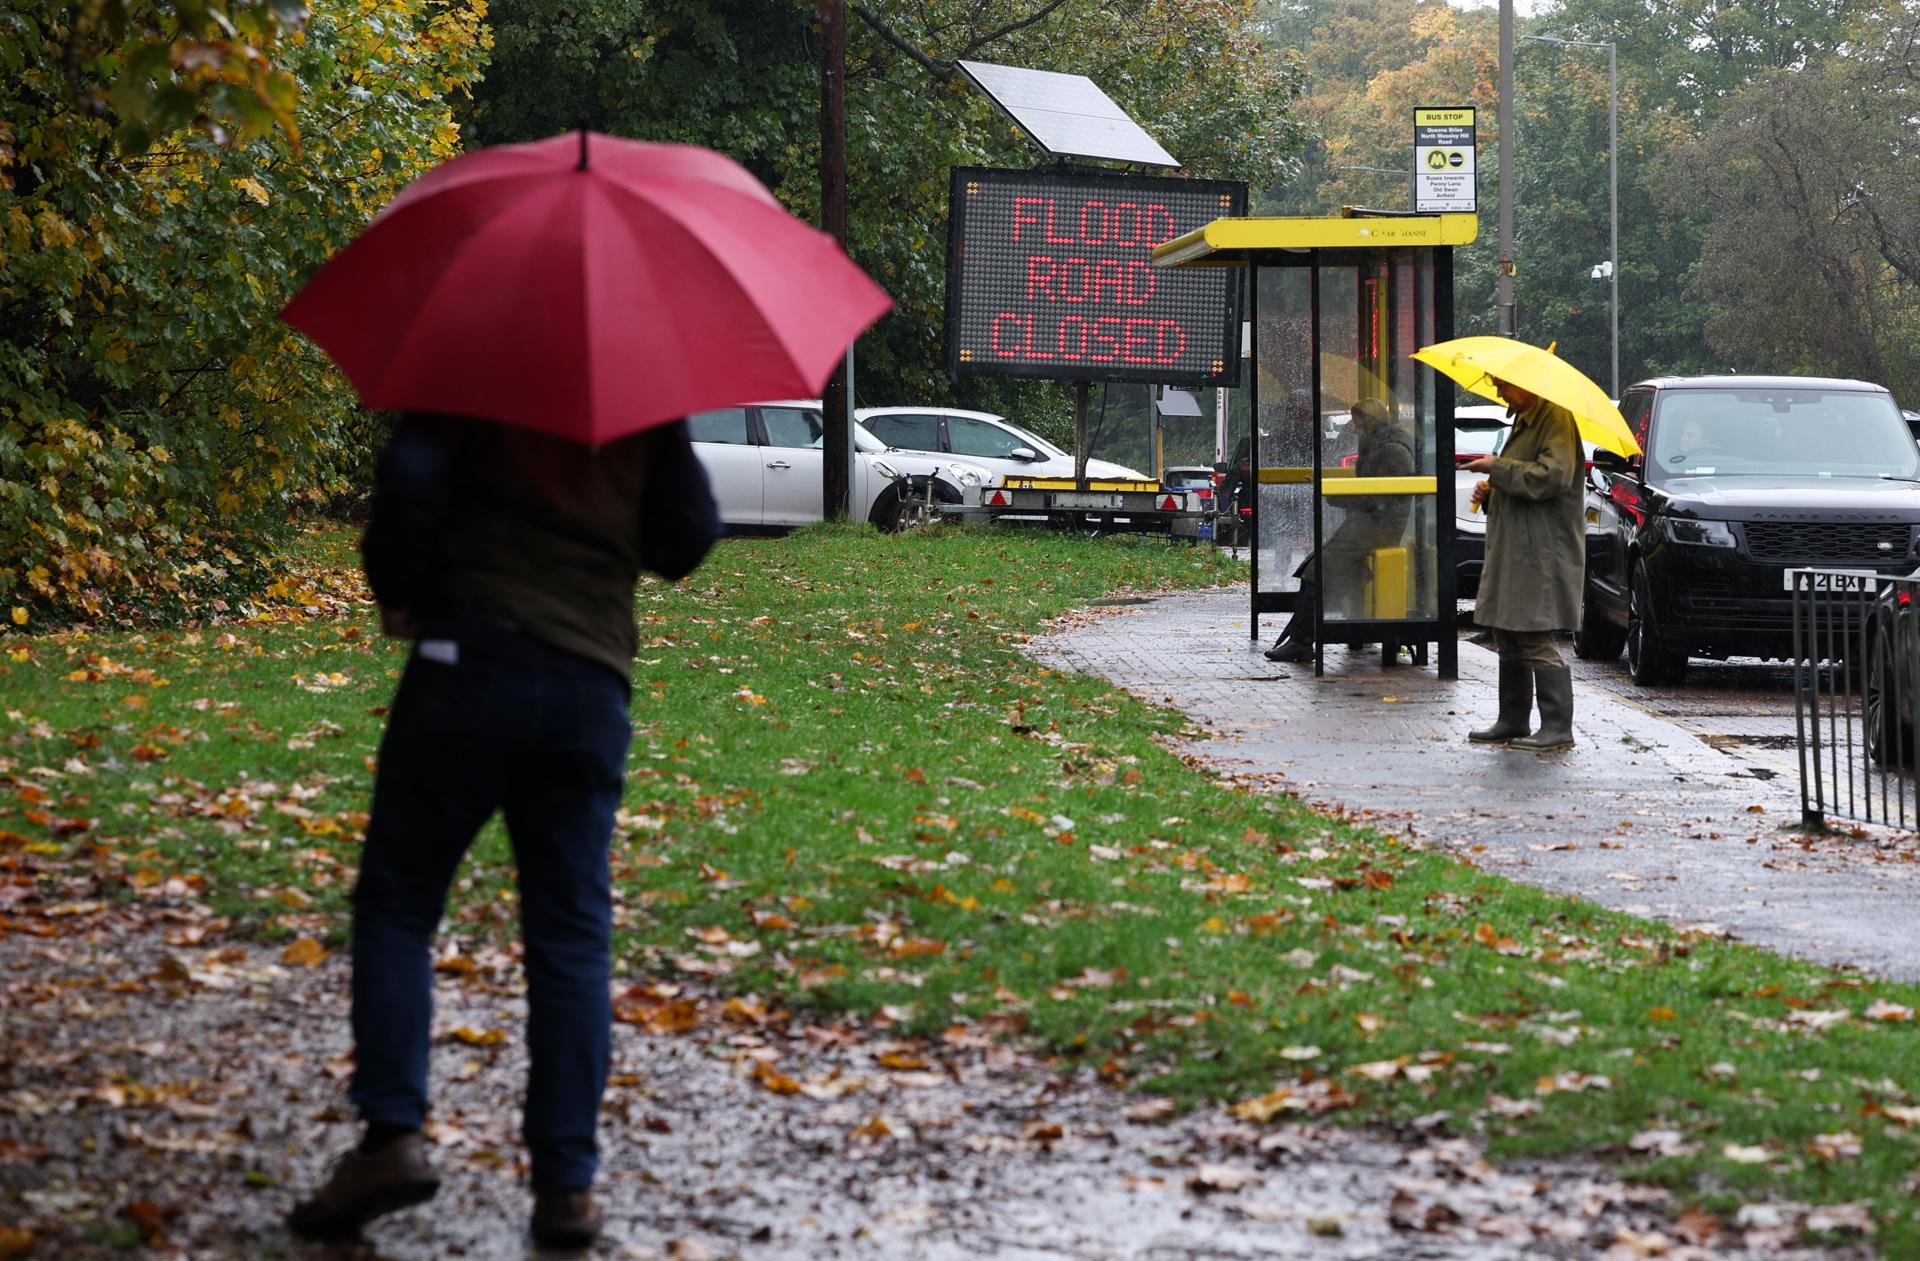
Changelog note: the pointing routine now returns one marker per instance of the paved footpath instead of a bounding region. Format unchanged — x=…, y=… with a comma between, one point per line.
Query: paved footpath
x=1643, y=815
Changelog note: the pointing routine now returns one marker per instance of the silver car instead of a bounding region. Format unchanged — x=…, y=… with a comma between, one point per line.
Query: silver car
x=993, y=442
x=764, y=460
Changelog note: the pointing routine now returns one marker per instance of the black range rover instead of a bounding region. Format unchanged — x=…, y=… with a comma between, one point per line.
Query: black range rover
x=1742, y=479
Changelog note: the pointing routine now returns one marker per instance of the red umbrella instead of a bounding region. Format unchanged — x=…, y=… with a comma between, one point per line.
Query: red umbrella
x=585, y=286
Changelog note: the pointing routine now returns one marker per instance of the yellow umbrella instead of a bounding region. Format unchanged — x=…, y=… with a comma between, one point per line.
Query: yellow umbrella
x=1476, y=362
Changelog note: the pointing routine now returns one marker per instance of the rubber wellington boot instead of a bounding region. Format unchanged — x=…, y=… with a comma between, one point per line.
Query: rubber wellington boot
x=1555, y=686
x=1516, y=705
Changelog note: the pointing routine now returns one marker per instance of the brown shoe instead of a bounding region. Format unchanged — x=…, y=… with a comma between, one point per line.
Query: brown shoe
x=565, y=1219
x=366, y=1185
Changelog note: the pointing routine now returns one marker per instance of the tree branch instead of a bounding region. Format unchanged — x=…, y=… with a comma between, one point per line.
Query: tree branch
x=1003, y=32
x=941, y=70
x=945, y=69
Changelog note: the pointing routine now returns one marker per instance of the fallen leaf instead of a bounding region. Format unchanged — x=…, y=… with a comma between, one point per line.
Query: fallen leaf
x=775, y=1080
x=1488, y=937
x=1697, y=1226
x=150, y=1219
x=1264, y=1108
x=1662, y=1143
x=1409, y=1212
x=476, y=1037
x=1746, y=1155
x=1881, y=1009
x=1854, y=1218
x=304, y=953
x=1153, y=1110
x=1817, y=1019
x=1208, y=1178
x=1835, y=1147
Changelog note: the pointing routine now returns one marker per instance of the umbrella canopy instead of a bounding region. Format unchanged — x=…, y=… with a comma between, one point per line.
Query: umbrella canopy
x=1477, y=362
x=586, y=286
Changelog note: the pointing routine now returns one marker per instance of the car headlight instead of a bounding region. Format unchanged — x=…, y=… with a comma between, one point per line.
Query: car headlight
x=885, y=470
x=1701, y=533
x=967, y=477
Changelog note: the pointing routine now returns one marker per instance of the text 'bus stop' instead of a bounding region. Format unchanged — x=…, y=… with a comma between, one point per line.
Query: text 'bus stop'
x=1352, y=439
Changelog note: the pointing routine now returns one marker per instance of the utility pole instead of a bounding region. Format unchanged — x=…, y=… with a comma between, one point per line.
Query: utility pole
x=836, y=441
x=1613, y=204
x=1612, y=264
x=1505, y=124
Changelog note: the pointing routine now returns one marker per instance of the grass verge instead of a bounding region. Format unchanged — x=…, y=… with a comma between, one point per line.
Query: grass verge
x=851, y=790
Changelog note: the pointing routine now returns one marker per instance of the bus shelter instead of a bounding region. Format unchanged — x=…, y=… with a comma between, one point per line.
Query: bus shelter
x=1338, y=306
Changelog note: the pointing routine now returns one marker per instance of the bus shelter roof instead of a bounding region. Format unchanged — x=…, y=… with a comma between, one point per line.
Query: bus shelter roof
x=1234, y=242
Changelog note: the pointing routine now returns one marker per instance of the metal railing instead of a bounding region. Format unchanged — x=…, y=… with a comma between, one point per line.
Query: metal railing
x=1856, y=648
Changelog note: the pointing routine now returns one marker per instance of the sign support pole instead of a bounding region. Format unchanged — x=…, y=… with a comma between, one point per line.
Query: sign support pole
x=837, y=398
x=1082, y=393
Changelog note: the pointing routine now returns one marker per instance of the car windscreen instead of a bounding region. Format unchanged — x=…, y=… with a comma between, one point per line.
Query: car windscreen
x=1778, y=432
x=1472, y=442
x=1034, y=440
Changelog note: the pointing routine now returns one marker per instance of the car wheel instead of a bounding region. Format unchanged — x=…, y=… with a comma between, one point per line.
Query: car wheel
x=894, y=512
x=1889, y=740
x=1596, y=638
x=1652, y=659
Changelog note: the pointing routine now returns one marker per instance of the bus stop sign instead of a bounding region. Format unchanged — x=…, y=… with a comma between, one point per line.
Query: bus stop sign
x=1050, y=274
x=1444, y=181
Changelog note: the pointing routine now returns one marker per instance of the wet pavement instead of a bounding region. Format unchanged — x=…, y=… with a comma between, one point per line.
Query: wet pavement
x=196, y=1092
x=1689, y=815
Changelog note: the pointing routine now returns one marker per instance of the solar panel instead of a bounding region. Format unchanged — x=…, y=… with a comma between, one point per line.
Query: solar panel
x=1067, y=114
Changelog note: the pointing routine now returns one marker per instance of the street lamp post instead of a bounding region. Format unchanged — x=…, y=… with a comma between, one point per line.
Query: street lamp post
x=1613, y=180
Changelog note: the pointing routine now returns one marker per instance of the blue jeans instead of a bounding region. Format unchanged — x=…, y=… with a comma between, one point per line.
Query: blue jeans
x=542, y=735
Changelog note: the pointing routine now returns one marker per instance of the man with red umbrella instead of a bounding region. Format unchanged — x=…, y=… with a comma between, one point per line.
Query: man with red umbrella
x=544, y=320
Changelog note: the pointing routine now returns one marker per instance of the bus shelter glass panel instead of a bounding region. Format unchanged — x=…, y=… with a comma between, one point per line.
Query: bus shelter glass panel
x=1378, y=466
x=1283, y=427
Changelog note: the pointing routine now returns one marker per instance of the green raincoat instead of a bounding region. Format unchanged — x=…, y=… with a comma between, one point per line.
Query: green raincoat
x=1536, y=526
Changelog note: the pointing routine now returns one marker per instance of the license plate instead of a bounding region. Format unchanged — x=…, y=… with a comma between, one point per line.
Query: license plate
x=1822, y=581
x=1071, y=499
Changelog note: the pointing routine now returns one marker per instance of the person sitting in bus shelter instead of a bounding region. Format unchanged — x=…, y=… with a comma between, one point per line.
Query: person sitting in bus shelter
x=1370, y=522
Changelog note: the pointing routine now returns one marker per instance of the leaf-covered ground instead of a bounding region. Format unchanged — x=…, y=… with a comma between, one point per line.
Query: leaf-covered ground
x=851, y=793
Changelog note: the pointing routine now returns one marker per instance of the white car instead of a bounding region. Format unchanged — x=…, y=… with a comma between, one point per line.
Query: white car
x=764, y=462
x=993, y=442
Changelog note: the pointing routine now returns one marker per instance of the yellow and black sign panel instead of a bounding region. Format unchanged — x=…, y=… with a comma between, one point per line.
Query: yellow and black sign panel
x=1443, y=165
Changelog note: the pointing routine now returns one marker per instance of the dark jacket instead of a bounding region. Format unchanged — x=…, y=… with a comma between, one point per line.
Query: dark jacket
x=1374, y=521
x=548, y=534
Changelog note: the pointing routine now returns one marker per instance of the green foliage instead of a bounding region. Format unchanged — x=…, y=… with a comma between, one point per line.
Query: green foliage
x=212, y=65
x=742, y=76
x=157, y=424
x=1702, y=275
x=1808, y=191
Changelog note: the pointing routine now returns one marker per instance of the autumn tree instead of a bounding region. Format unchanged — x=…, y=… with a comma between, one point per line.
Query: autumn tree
x=742, y=76
x=168, y=175
x=1810, y=192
